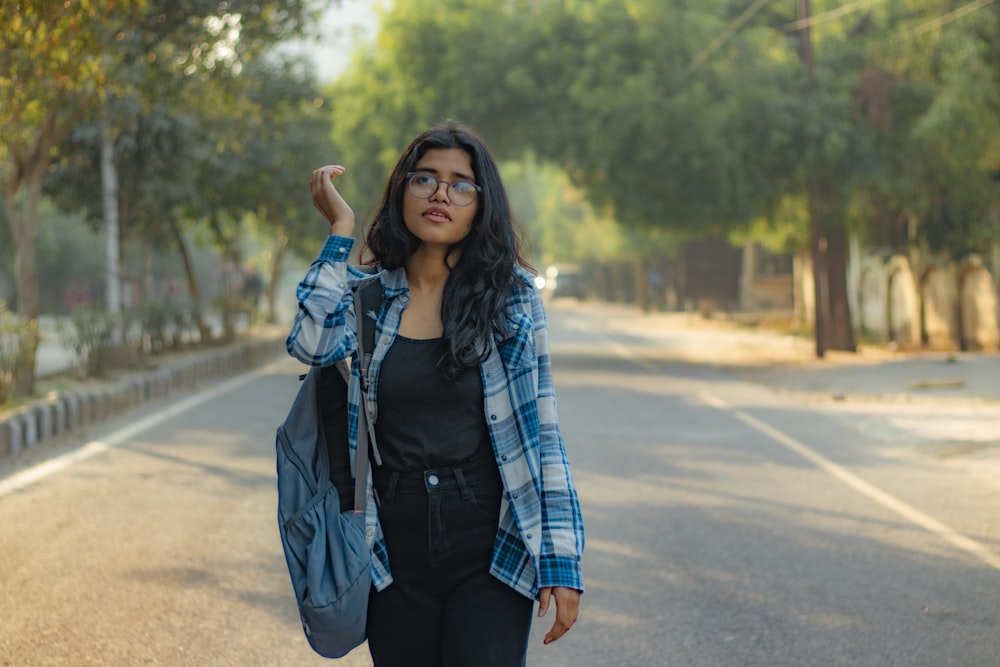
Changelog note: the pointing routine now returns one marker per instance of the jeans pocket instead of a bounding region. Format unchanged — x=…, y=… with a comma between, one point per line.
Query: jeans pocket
x=486, y=499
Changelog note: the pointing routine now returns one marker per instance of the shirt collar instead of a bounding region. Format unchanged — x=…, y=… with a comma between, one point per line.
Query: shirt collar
x=394, y=282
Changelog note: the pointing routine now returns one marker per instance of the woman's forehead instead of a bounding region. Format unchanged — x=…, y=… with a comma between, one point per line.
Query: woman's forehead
x=453, y=160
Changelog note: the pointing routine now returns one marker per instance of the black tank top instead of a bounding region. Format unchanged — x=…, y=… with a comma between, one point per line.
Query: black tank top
x=424, y=420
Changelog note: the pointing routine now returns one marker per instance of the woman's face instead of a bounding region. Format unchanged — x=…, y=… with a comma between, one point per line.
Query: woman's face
x=438, y=220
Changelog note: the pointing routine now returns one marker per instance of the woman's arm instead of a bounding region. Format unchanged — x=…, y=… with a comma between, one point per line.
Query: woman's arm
x=323, y=330
x=319, y=336
x=562, y=521
x=560, y=577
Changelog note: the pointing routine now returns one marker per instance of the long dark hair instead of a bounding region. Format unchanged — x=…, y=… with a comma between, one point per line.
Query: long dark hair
x=483, y=275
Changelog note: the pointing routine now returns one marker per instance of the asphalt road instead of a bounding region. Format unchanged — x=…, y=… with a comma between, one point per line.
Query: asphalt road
x=727, y=525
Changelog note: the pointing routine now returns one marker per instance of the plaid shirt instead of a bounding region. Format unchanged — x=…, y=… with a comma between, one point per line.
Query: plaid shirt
x=540, y=535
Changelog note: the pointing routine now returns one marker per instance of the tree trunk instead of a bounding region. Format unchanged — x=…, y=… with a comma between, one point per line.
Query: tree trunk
x=112, y=255
x=24, y=230
x=833, y=328
x=149, y=292
x=841, y=332
x=278, y=258
x=192, y=279
x=819, y=249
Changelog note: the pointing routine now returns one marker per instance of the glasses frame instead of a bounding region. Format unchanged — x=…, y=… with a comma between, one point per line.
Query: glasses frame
x=437, y=185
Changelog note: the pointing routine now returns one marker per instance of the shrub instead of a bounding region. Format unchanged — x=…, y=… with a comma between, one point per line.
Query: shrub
x=13, y=331
x=90, y=334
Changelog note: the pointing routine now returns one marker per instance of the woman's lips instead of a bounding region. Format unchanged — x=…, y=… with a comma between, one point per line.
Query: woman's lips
x=437, y=215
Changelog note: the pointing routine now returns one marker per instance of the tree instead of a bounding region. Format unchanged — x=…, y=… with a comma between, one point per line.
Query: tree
x=262, y=174
x=53, y=65
x=56, y=70
x=943, y=109
x=703, y=116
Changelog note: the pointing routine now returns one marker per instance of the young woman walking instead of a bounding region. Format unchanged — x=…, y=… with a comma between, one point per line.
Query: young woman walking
x=473, y=513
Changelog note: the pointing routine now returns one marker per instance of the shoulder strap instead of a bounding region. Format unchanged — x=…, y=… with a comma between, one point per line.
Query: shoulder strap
x=369, y=298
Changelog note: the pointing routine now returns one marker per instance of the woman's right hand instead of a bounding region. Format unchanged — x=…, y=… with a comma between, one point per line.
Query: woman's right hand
x=328, y=201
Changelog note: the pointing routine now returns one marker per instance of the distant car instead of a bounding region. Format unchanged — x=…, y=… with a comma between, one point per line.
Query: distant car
x=565, y=283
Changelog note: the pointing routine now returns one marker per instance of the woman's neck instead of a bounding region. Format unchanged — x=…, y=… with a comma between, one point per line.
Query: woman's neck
x=426, y=276
x=427, y=270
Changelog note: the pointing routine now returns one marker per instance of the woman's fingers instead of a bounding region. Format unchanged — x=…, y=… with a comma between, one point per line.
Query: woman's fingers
x=567, y=609
x=328, y=201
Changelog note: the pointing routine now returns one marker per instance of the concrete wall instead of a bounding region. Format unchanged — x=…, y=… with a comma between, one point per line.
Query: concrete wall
x=937, y=303
x=904, y=303
x=939, y=306
x=977, y=308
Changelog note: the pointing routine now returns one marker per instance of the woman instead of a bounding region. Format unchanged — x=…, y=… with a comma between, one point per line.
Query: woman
x=476, y=515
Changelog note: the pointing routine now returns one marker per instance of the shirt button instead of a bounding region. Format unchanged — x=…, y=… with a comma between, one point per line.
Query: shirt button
x=513, y=496
x=404, y=299
x=528, y=536
x=493, y=417
x=503, y=458
x=369, y=532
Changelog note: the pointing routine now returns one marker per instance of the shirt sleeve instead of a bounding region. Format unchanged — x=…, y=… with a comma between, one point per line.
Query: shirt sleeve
x=323, y=331
x=562, y=521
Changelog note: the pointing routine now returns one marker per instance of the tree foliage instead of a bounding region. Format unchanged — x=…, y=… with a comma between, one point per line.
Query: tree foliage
x=56, y=72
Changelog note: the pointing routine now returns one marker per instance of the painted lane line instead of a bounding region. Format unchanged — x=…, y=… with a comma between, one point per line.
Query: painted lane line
x=884, y=499
x=38, y=472
x=630, y=355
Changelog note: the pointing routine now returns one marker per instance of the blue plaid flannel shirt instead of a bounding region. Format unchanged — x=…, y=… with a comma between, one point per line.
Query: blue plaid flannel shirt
x=540, y=533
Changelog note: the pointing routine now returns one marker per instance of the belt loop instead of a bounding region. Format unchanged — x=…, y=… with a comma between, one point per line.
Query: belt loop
x=390, y=489
x=463, y=487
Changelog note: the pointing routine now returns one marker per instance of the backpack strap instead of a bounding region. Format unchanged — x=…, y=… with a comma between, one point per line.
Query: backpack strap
x=369, y=299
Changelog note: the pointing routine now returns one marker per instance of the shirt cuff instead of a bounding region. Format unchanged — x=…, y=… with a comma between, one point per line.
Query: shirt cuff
x=336, y=249
x=560, y=571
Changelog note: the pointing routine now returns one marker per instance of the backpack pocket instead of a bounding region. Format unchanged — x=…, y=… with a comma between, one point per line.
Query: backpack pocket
x=331, y=573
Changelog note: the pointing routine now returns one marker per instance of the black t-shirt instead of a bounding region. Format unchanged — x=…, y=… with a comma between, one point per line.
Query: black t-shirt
x=424, y=420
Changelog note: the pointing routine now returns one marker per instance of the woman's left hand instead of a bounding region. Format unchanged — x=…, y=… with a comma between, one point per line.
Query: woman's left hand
x=328, y=201
x=567, y=609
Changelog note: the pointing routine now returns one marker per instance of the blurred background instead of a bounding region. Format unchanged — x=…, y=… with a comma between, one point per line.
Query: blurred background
x=830, y=166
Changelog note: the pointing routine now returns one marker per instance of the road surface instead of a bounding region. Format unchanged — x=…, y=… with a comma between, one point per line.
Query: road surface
x=727, y=525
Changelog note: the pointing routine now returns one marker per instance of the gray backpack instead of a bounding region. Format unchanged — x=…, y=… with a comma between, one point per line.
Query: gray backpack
x=326, y=549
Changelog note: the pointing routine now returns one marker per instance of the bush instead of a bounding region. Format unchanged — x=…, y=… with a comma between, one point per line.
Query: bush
x=90, y=334
x=13, y=331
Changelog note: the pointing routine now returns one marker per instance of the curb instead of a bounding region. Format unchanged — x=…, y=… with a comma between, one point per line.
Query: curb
x=66, y=413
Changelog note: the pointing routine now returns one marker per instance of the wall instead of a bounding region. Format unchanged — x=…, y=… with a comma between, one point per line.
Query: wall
x=925, y=301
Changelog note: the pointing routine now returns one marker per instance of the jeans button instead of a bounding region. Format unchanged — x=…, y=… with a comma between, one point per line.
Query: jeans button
x=432, y=479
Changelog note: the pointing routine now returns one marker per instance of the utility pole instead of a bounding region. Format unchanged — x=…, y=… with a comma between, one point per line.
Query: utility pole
x=112, y=253
x=818, y=239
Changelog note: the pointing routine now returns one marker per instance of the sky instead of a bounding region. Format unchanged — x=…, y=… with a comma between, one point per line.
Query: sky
x=340, y=27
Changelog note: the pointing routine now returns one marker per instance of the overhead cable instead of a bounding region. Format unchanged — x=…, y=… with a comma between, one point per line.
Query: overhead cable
x=934, y=24
x=823, y=17
x=730, y=30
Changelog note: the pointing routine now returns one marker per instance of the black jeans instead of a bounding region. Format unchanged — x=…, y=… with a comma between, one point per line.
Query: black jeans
x=444, y=609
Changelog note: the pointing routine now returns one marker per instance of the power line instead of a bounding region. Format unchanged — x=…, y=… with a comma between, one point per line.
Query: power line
x=933, y=24
x=830, y=15
x=730, y=30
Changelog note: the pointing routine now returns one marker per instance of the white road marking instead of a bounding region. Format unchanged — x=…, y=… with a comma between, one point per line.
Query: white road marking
x=884, y=499
x=38, y=472
x=629, y=355
x=580, y=324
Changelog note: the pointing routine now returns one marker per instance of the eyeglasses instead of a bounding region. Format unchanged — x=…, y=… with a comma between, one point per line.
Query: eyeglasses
x=460, y=193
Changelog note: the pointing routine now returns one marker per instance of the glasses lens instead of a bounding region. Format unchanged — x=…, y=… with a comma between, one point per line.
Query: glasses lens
x=422, y=185
x=462, y=193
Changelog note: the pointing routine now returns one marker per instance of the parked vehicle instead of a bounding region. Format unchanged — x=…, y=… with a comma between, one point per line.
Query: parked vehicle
x=564, y=282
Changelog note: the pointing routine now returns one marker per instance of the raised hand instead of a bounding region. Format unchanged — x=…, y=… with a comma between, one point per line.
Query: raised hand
x=328, y=201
